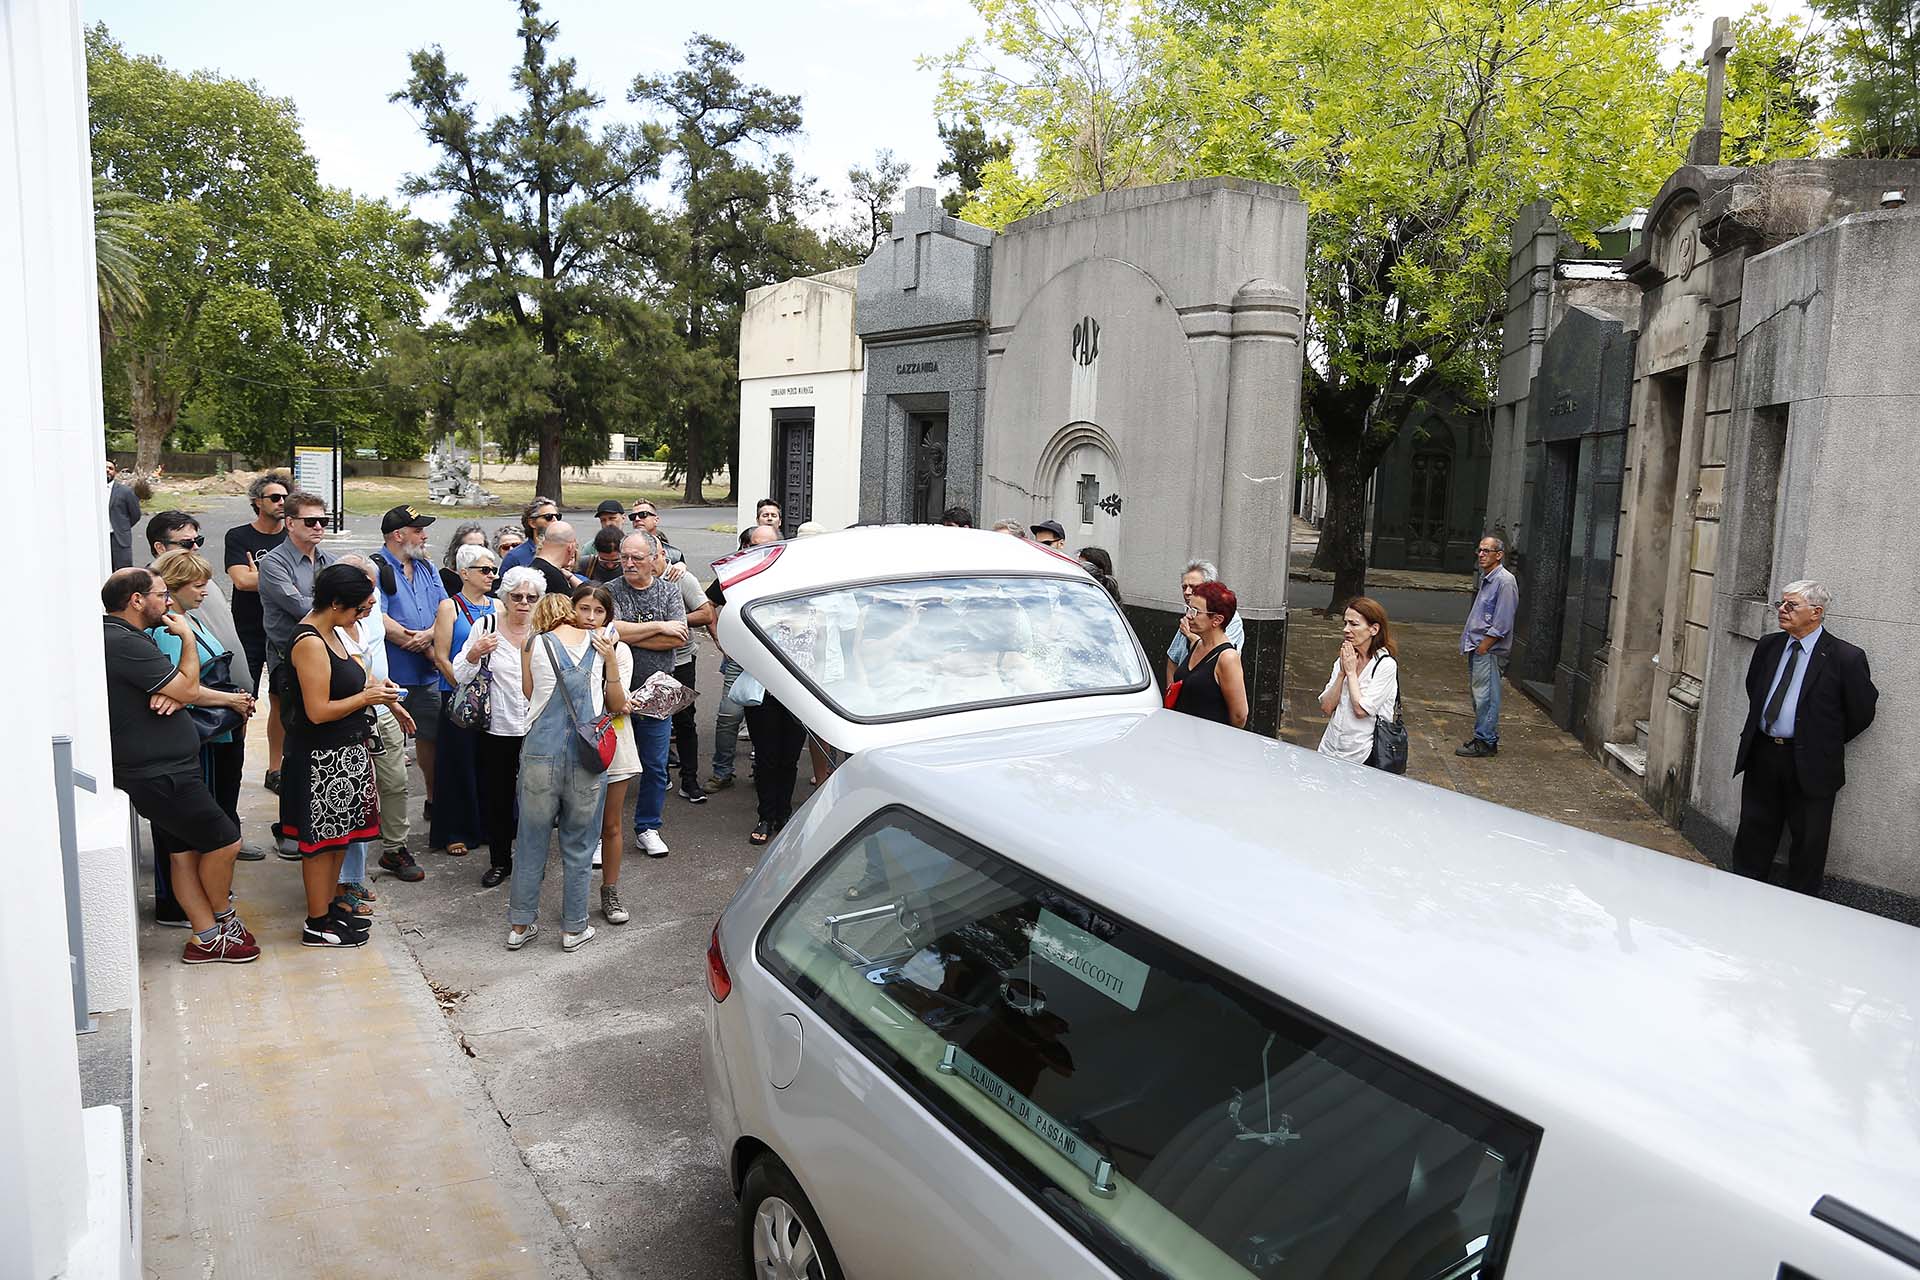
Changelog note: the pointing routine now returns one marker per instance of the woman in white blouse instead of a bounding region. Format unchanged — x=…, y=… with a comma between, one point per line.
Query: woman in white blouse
x=1365, y=682
x=498, y=748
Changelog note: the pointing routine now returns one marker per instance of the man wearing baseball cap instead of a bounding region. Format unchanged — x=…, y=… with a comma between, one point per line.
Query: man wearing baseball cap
x=610, y=513
x=1048, y=533
x=410, y=596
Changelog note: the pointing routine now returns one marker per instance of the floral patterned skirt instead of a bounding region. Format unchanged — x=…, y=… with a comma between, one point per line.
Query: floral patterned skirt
x=328, y=797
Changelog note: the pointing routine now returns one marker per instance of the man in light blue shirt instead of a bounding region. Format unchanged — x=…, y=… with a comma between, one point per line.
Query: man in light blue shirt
x=410, y=596
x=1197, y=572
x=1486, y=641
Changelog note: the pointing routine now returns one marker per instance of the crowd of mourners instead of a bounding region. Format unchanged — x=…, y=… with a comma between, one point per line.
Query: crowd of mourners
x=540, y=686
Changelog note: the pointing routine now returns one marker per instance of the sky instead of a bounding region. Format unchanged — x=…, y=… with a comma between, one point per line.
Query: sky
x=851, y=61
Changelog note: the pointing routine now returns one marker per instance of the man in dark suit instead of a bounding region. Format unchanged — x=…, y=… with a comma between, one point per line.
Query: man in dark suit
x=1809, y=693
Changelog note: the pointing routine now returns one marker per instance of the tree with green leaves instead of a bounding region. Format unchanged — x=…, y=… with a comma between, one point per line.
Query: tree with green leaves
x=539, y=246
x=872, y=193
x=118, y=244
x=264, y=294
x=738, y=226
x=970, y=149
x=1876, y=53
x=1414, y=130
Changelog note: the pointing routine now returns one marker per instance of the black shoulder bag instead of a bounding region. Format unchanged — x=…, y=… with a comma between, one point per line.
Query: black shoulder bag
x=1389, y=736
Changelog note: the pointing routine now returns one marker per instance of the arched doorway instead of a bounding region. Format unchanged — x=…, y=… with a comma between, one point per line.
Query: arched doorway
x=1085, y=486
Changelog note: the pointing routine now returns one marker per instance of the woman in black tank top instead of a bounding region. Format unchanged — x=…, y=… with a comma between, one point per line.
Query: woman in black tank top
x=1210, y=682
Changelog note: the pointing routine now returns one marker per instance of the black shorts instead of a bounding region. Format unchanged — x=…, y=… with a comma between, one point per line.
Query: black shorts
x=182, y=805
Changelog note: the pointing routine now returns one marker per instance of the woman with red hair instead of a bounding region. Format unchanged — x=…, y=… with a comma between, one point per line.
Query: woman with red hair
x=1210, y=682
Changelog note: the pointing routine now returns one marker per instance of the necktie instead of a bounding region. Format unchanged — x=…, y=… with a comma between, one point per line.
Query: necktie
x=1779, y=697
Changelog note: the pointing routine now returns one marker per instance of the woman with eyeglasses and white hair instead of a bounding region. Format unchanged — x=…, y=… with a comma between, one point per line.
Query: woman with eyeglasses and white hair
x=498, y=749
x=457, y=824
x=466, y=533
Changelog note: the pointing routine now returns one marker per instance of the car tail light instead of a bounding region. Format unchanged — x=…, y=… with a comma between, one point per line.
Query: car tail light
x=742, y=565
x=719, y=981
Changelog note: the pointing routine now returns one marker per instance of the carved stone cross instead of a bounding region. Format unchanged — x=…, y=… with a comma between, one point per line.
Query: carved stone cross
x=1706, y=140
x=1087, y=493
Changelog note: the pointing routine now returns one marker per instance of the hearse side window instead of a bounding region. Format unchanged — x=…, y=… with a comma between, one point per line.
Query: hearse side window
x=1181, y=1123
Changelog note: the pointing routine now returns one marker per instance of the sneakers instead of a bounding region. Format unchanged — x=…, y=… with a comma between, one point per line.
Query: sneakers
x=611, y=906
x=233, y=924
x=714, y=786
x=575, y=941
x=250, y=854
x=650, y=843
x=692, y=794
x=288, y=851
x=399, y=864
x=331, y=931
x=517, y=939
x=226, y=948
x=1478, y=749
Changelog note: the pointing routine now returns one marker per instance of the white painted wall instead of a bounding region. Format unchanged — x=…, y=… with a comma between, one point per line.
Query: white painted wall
x=798, y=349
x=50, y=434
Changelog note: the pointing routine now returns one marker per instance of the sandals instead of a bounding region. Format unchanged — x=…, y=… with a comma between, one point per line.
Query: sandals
x=457, y=850
x=358, y=909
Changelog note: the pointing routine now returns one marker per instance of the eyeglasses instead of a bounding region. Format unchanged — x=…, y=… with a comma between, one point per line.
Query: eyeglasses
x=1790, y=606
x=642, y=559
x=312, y=522
x=1487, y=551
x=273, y=497
x=638, y=516
x=187, y=544
x=364, y=610
x=487, y=569
x=548, y=515
x=521, y=597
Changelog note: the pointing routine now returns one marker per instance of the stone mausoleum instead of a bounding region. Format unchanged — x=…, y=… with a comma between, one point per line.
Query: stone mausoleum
x=1820, y=478
x=1143, y=389
x=922, y=315
x=1752, y=370
x=802, y=378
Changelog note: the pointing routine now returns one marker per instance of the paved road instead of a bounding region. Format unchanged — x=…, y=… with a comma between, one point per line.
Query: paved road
x=593, y=1059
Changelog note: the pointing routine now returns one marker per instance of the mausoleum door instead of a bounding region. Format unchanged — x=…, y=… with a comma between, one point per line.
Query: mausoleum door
x=1086, y=497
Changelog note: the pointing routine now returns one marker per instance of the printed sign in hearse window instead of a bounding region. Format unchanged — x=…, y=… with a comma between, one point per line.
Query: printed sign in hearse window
x=1211, y=1131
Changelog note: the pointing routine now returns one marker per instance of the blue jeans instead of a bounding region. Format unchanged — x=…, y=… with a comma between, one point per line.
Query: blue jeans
x=1483, y=676
x=556, y=788
x=353, y=867
x=726, y=721
x=651, y=738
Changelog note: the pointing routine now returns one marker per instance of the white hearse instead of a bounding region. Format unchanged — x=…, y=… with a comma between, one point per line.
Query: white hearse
x=1047, y=982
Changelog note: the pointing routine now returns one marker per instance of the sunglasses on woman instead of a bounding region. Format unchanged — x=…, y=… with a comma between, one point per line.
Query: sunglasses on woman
x=520, y=597
x=487, y=569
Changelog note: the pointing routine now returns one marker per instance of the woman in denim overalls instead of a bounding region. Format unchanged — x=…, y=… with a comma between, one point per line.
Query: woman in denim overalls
x=576, y=669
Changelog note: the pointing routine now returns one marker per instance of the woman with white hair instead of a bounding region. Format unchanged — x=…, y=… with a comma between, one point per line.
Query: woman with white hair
x=466, y=533
x=501, y=647
x=456, y=824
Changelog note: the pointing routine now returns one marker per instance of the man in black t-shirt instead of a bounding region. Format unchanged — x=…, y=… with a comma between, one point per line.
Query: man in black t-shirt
x=245, y=545
x=156, y=760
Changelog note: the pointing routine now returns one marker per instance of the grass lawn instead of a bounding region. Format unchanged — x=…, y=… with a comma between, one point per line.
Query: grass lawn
x=372, y=496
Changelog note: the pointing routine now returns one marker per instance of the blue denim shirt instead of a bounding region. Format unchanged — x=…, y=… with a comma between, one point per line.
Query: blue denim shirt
x=1492, y=614
x=413, y=604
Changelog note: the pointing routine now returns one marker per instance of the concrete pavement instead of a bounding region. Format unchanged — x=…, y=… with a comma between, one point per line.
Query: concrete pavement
x=308, y=1114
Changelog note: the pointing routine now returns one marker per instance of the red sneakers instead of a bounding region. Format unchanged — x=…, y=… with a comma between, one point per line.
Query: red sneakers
x=227, y=947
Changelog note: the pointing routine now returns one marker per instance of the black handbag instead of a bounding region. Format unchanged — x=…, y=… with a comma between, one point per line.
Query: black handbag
x=1389, y=738
x=211, y=722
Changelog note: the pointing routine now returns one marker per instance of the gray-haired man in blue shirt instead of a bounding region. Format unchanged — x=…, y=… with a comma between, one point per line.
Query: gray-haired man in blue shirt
x=1486, y=641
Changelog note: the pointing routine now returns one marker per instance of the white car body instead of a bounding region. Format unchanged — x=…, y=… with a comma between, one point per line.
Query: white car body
x=1698, y=1059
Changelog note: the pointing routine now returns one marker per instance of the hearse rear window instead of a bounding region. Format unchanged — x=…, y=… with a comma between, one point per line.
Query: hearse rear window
x=904, y=650
x=1180, y=1122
